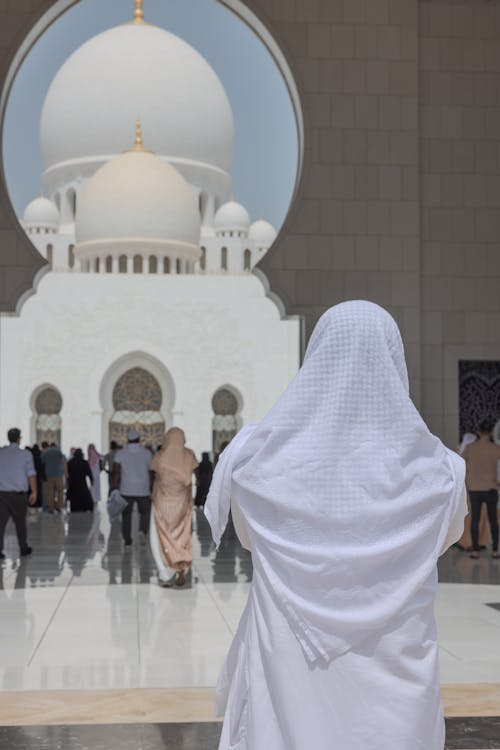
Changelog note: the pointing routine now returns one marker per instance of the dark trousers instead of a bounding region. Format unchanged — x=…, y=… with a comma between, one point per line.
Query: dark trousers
x=490, y=497
x=14, y=505
x=144, y=506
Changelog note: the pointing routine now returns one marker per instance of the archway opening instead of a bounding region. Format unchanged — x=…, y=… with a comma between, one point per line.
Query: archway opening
x=226, y=407
x=47, y=405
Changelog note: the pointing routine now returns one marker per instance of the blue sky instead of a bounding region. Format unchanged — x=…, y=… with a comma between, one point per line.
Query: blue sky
x=266, y=140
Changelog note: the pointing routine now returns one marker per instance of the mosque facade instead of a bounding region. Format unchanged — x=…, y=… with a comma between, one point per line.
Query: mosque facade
x=150, y=315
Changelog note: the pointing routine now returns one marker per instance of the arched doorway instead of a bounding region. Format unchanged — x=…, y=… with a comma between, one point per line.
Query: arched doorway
x=47, y=416
x=225, y=422
x=137, y=402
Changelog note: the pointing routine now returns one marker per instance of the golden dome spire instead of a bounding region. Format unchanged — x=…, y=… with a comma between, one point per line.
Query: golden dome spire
x=139, y=146
x=139, y=12
x=139, y=143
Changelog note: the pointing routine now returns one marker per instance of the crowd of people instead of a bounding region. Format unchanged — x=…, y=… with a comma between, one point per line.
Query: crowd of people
x=47, y=480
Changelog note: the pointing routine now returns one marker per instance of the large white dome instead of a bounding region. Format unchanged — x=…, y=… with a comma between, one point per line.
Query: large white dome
x=137, y=70
x=137, y=204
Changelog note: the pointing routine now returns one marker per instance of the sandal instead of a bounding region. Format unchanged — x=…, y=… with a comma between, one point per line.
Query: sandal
x=474, y=556
x=495, y=555
x=183, y=577
x=169, y=583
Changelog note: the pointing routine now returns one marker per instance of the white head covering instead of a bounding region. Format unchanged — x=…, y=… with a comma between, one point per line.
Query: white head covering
x=467, y=439
x=346, y=494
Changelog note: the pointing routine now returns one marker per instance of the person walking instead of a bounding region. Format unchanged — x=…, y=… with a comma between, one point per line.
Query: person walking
x=55, y=468
x=95, y=463
x=204, y=474
x=171, y=521
x=18, y=489
x=132, y=477
x=79, y=495
x=465, y=541
x=345, y=500
x=108, y=462
x=482, y=459
x=40, y=474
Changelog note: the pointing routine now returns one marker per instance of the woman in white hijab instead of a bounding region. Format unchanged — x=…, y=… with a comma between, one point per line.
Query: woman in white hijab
x=346, y=501
x=171, y=520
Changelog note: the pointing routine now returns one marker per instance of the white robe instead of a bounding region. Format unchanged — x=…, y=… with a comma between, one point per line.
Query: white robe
x=95, y=489
x=382, y=695
x=346, y=501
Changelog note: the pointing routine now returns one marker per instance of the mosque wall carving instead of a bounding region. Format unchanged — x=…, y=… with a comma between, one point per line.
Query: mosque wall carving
x=398, y=198
x=479, y=395
x=226, y=420
x=47, y=416
x=137, y=401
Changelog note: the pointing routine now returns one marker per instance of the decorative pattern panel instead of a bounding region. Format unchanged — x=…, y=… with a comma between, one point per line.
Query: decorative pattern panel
x=48, y=405
x=137, y=390
x=137, y=399
x=48, y=401
x=479, y=393
x=224, y=423
x=224, y=402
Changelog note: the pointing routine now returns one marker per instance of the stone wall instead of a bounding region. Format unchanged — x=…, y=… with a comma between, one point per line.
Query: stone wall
x=460, y=196
x=354, y=230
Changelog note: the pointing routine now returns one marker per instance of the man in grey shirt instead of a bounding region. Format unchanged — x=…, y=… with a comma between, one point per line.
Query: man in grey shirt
x=17, y=476
x=132, y=476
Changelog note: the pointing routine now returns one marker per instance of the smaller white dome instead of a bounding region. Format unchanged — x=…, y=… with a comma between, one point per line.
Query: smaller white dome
x=232, y=217
x=42, y=213
x=137, y=203
x=262, y=233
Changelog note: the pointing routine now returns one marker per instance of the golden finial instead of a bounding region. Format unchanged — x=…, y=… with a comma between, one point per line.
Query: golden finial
x=139, y=12
x=139, y=144
x=138, y=136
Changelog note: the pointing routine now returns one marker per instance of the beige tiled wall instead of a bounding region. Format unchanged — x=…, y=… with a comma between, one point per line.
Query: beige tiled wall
x=399, y=200
x=355, y=229
x=460, y=197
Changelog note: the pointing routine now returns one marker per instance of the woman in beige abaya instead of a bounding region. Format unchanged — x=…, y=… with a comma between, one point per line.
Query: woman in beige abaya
x=170, y=532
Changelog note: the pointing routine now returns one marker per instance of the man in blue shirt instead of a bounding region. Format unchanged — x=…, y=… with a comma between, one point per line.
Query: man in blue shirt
x=17, y=475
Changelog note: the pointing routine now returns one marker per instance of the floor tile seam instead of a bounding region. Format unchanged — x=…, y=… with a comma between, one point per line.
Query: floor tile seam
x=202, y=582
x=51, y=620
x=231, y=631
x=198, y=572
x=447, y=651
x=138, y=623
x=487, y=622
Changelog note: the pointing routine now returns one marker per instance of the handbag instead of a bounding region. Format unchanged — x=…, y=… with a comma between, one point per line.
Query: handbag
x=115, y=505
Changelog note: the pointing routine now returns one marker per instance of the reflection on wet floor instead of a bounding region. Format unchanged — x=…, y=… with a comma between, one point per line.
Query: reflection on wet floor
x=457, y=567
x=462, y=734
x=142, y=636
x=87, y=549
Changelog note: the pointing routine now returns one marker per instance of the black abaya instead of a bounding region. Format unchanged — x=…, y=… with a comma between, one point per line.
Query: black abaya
x=79, y=495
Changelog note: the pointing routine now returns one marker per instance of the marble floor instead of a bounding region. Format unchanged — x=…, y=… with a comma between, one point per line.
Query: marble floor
x=85, y=632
